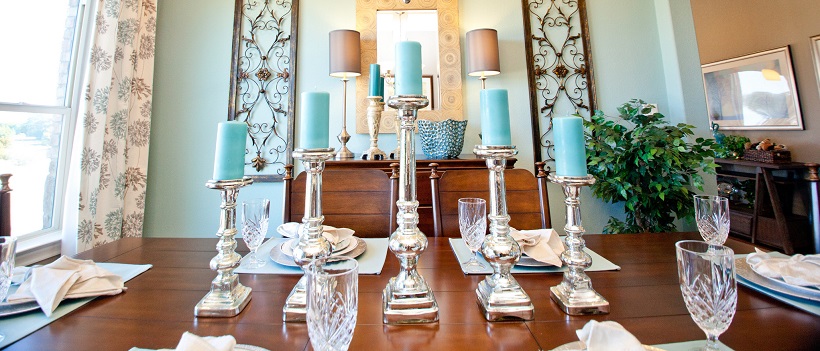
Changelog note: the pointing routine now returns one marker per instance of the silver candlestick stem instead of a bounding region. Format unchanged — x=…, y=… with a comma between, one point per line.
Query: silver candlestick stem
x=374, y=118
x=312, y=245
x=227, y=296
x=407, y=298
x=499, y=295
x=575, y=294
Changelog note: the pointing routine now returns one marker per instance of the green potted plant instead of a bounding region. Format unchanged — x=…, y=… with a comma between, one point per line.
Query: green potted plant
x=650, y=166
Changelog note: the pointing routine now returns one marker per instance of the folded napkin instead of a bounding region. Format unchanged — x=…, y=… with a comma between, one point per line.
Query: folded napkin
x=608, y=336
x=192, y=342
x=543, y=245
x=797, y=270
x=332, y=234
x=66, y=278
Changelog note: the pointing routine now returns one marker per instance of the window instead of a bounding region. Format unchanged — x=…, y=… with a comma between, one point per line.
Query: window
x=39, y=80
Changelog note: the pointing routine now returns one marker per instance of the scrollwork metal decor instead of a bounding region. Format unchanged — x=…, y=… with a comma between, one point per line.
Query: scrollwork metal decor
x=262, y=83
x=559, y=65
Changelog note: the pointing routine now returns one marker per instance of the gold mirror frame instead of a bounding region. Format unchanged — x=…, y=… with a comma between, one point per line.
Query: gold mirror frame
x=449, y=59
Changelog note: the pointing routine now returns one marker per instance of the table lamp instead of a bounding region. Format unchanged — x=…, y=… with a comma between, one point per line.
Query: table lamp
x=482, y=54
x=345, y=62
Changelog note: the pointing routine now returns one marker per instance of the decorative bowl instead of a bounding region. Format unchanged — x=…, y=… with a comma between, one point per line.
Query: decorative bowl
x=443, y=139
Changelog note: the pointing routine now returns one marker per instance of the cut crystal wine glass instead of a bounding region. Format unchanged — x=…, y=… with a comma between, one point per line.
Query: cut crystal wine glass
x=706, y=274
x=332, y=302
x=472, y=222
x=255, y=215
x=712, y=218
x=8, y=247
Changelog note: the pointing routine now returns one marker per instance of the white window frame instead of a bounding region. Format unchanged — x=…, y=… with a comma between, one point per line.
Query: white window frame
x=42, y=244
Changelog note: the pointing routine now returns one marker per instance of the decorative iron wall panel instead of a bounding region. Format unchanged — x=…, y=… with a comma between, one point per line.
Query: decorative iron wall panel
x=262, y=87
x=559, y=66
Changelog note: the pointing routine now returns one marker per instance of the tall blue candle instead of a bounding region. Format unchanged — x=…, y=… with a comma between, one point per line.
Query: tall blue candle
x=408, y=68
x=315, y=117
x=495, y=117
x=229, y=159
x=375, y=73
x=381, y=87
x=570, y=148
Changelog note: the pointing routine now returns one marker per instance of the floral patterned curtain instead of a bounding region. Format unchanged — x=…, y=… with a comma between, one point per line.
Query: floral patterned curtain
x=116, y=122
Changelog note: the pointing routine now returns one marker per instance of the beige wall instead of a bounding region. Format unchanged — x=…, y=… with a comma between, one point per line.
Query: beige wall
x=732, y=28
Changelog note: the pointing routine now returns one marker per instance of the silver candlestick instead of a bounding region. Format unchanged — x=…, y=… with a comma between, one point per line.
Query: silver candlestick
x=312, y=244
x=227, y=296
x=374, y=118
x=575, y=294
x=407, y=298
x=499, y=295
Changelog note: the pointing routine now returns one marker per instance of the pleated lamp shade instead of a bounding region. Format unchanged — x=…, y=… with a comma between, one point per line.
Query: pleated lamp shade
x=345, y=53
x=482, y=52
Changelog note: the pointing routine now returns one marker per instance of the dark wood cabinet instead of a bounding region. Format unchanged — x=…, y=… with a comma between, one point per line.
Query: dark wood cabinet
x=773, y=204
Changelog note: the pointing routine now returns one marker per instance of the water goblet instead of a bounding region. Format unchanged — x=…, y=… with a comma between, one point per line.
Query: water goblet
x=332, y=296
x=706, y=274
x=8, y=246
x=472, y=222
x=255, y=215
x=712, y=218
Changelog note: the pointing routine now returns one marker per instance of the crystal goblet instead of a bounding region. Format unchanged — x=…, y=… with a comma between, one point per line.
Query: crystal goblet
x=332, y=302
x=472, y=222
x=706, y=274
x=712, y=218
x=8, y=247
x=255, y=215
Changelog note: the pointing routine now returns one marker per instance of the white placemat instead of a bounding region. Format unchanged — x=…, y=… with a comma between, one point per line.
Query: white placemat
x=18, y=326
x=690, y=345
x=370, y=262
x=599, y=263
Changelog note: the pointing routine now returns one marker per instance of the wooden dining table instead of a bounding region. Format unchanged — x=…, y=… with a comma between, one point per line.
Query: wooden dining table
x=644, y=297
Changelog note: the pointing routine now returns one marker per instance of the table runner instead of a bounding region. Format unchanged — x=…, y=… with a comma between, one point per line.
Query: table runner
x=370, y=262
x=18, y=326
x=462, y=252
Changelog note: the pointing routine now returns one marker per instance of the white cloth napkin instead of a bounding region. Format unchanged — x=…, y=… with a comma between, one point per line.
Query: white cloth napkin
x=66, y=278
x=192, y=342
x=543, y=245
x=332, y=234
x=797, y=270
x=608, y=336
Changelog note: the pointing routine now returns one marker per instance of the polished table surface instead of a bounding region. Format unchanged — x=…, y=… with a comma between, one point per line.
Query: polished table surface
x=644, y=297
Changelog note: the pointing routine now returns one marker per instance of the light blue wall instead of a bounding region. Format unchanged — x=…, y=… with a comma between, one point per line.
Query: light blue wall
x=191, y=89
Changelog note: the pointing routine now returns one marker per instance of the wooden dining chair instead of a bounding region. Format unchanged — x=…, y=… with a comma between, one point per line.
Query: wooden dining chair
x=527, y=201
x=5, y=205
x=360, y=199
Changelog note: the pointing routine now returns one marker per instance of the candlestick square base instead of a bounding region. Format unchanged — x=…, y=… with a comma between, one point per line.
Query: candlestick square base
x=295, y=309
x=500, y=304
x=226, y=302
x=579, y=302
x=419, y=306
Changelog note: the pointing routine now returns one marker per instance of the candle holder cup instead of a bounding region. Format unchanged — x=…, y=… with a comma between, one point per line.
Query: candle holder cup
x=374, y=118
x=312, y=244
x=575, y=294
x=227, y=297
x=499, y=295
x=407, y=298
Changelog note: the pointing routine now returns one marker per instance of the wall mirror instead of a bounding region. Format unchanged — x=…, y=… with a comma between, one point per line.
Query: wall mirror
x=262, y=86
x=443, y=83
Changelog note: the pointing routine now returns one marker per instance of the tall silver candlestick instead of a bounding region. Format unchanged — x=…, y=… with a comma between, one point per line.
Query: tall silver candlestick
x=575, y=294
x=499, y=295
x=227, y=296
x=374, y=118
x=312, y=245
x=407, y=298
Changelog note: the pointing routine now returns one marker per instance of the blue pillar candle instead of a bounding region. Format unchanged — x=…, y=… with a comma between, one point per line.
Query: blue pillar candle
x=495, y=117
x=381, y=87
x=375, y=73
x=570, y=148
x=229, y=159
x=315, y=117
x=408, y=68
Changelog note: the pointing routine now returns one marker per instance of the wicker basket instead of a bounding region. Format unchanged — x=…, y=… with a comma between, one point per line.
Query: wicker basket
x=774, y=156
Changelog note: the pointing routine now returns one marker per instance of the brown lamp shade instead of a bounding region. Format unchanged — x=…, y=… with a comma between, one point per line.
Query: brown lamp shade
x=482, y=52
x=345, y=53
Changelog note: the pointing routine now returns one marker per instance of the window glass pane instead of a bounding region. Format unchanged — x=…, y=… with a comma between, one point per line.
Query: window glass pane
x=30, y=150
x=36, y=37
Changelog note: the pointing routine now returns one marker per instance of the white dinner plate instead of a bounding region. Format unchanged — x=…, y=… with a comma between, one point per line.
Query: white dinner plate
x=527, y=261
x=747, y=273
x=287, y=246
x=12, y=308
x=353, y=250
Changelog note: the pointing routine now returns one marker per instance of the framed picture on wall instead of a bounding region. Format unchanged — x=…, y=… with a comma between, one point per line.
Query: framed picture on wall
x=815, y=49
x=755, y=91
